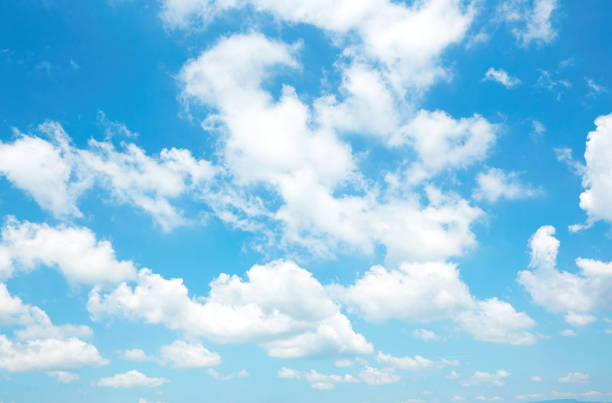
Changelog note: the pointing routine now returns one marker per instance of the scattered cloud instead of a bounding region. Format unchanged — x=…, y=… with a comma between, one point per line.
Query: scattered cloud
x=502, y=77
x=131, y=379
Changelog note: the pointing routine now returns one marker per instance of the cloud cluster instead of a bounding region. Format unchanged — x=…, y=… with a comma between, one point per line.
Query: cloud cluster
x=426, y=292
x=280, y=306
x=56, y=173
x=577, y=295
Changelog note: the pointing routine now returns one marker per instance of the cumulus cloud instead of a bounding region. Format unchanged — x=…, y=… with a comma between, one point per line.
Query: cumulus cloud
x=574, y=377
x=56, y=173
x=417, y=363
x=183, y=354
x=424, y=334
x=303, y=162
x=134, y=354
x=496, y=378
x=433, y=291
x=74, y=251
x=502, y=77
x=406, y=40
x=316, y=379
x=442, y=142
x=596, y=199
x=578, y=295
x=47, y=354
x=496, y=184
x=64, y=376
x=376, y=376
x=131, y=379
x=531, y=20
x=280, y=306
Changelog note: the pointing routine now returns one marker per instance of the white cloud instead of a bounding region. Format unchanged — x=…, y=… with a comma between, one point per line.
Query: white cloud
x=497, y=321
x=576, y=319
x=304, y=164
x=594, y=87
x=577, y=295
x=405, y=40
x=183, y=354
x=424, y=334
x=74, y=251
x=417, y=363
x=39, y=345
x=281, y=306
x=63, y=376
x=536, y=379
x=56, y=173
x=502, y=77
x=343, y=363
x=453, y=375
x=47, y=354
x=568, y=333
x=416, y=292
x=531, y=20
x=574, y=377
x=131, y=379
x=215, y=375
x=43, y=170
x=134, y=354
x=496, y=378
x=443, y=143
x=375, y=376
x=496, y=184
x=530, y=396
x=316, y=379
x=432, y=291
x=596, y=199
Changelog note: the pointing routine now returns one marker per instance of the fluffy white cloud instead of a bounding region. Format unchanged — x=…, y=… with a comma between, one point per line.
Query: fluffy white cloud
x=596, y=199
x=417, y=363
x=442, y=142
x=433, y=291
x=376, y=376
x=496, y=184
x=424, y=334
x=243, y=373
x=574, y=377
x=281, y=306
x=43, y=170
x=47, y=354
x=415, y=292
x=502, y=77
x=74, y=251
x=406, y=40
x=56, y=173
x=306, y=164
x=575, y=294
x=39, y=345
x=131, y=379
x=497, y=321
x=64, y=376
x=134, y=354
x=496, y=378
x=316, y=379
x=531, y=19
x=183, y=354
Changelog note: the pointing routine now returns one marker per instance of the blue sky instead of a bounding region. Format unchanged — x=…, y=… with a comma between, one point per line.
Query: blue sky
x=271, y=201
